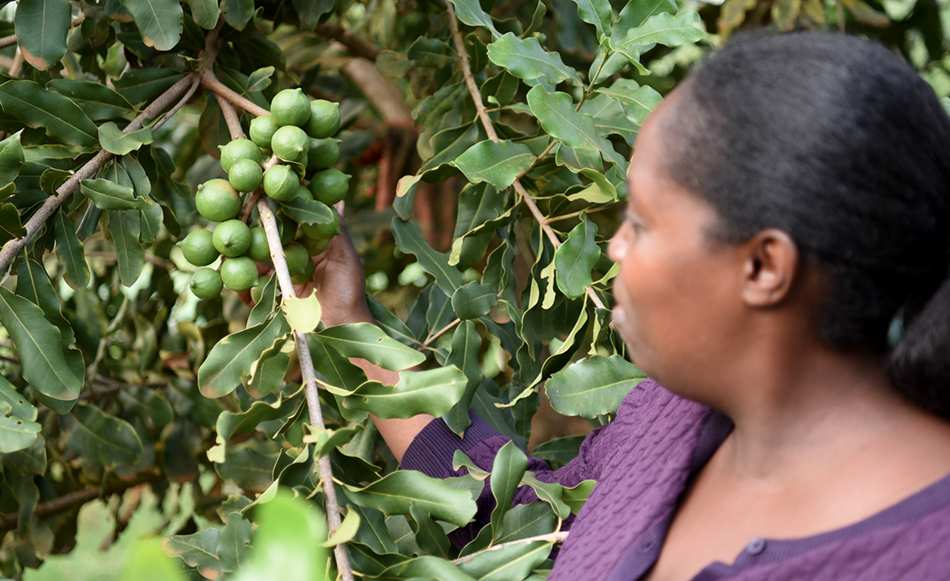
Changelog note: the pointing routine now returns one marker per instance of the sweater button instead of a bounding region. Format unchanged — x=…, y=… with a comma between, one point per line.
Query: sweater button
x=755, y=547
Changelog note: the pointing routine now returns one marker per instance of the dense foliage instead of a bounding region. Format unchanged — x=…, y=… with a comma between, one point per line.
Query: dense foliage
x=145, y=433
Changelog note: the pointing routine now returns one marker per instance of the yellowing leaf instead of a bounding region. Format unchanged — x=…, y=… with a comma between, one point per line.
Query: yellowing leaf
x=302, y=314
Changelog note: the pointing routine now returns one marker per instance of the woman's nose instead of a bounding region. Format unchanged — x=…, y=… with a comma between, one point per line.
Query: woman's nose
x=617, y=246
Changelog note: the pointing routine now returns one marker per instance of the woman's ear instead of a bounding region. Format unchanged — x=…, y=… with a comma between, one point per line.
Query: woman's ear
x=770, y=265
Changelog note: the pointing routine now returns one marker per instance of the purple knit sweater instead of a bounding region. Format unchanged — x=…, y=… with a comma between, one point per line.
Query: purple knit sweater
x=642, y=462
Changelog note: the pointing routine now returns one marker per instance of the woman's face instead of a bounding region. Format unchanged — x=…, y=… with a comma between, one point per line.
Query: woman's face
x=677, y=293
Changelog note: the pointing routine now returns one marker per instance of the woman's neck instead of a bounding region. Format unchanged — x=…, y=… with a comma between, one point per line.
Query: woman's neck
x=824, y=412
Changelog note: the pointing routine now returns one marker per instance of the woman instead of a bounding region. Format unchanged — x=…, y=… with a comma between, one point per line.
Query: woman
x=789, y=202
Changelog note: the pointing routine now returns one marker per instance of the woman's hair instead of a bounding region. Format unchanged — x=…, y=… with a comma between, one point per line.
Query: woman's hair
x=839, y=143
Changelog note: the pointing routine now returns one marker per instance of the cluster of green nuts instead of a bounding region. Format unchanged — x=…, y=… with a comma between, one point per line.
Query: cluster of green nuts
x=290, y=154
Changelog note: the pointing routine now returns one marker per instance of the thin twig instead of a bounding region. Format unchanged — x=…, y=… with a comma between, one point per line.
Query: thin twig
x=556, y=537
x=490, y=131
x=89, y=169
x=211, y=82
x=17, y=65
x=307, y=371
x=431, y=338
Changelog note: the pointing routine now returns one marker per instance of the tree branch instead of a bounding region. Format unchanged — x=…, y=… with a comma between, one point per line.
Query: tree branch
x=211, y=82
x=385, y=97
x=89, y=169
x=490, y=131
x=356, y=45
x=75, y=498
x=556, y=537
x=269, y=222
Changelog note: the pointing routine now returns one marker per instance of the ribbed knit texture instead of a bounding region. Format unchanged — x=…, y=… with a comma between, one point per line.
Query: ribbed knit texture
x=642, y=462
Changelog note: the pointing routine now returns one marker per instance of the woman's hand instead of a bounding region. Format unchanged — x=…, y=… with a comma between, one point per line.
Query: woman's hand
x=339, y=281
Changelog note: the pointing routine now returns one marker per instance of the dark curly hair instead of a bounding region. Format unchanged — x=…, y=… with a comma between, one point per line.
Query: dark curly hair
x=838, y=142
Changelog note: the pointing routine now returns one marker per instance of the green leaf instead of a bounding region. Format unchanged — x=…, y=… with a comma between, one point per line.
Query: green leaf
x=369, y=342
x=596, y=12
x=140, y=85
x=637, y=100
x=577, y=495
x=526, y=520
x=506, y=473
x=18, y=427
x=237, y=13
x=98, y=101
x=148, y=562
x=636, y=12
x=471, y=13
x=610, y=117
x=113, y=140
x=288, y=544
x=409, y=239
x=499, y=164
x=125, y=229
x=59, y=116
x=231, y=359
x=576, y=257
x=663, y=28
x=449, y=499
x=159, y=21
x=205, y=13
x=11, y=158
x=433, y=391
x=527, y=60
x=10, y=225
x=334, y=369
x=260, y=79
x=231, y=424
x=558, y=451
x=474, y=300
x=310, y=11
x=511, y=562
x=104, y=439
x=345, y=532
x=108, y=195
x=45, y=362
x=305, y=210
x=33, y=283
x=41, y=27
x=593, y=386
x=557, y=116
x=464, y=354
x=70, y=250
x=264, y=307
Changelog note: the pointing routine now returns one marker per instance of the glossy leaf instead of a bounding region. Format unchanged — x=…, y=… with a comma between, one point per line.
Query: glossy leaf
x=305, y=210
x=11, y=158
x=231, y=359
x=42, y=26
x=371, y=343
x=46, y=364
x=596, y=12
x=237, y=13
x=507, y=471
x=556, y=113
x=663, y=28
x=108, y=195
x=70, y=250
x=511, y=562
x=575, y=258
x=471, y=13
x=527, y=60
x=593, y=386
x=140, y=85
x=498, y=164
x=409, y=239
x=636, y=12
x=59, y=116
x=302, y=314
x=113, y=140
x=98, y=101
x=18, y=426
x=159, y=21
x=473, y=300
x=102, y=438
x=447, y=499
x=637, y=100
x=125, y=229
x=433, y=391
x=345, y=532
x=205, y=13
